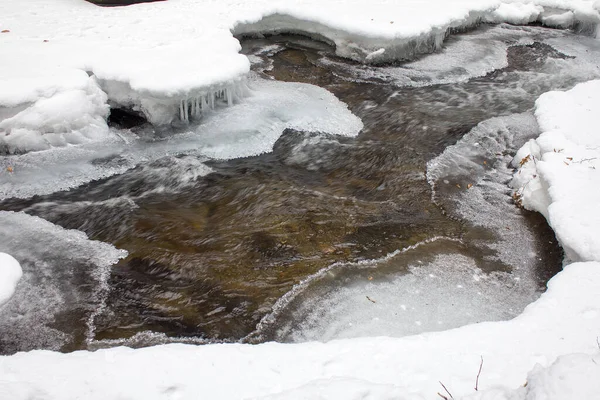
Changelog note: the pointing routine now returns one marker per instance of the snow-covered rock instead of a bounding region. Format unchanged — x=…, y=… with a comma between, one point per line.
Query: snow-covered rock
x=10, y=273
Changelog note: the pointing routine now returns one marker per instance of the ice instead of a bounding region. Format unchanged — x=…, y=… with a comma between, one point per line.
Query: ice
x=558, y=175
x=71, y=116
x=10, y=273
x=515, y=13
x=448, y=292
x=245, y=129
x=442, y=293
x=463, y=57
x=63, y=271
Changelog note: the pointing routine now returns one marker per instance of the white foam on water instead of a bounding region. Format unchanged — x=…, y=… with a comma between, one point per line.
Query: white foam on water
x=63, y=272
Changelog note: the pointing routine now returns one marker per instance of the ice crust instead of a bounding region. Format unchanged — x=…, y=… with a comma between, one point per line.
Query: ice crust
x=62, y=271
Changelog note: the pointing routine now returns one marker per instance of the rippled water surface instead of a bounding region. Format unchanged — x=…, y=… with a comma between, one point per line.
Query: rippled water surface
x=391, y=232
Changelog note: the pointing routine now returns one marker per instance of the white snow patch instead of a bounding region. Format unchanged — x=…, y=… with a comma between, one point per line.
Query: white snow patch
x=10, y=273
x=70, y=116
x=153, y=64
x=558, y=173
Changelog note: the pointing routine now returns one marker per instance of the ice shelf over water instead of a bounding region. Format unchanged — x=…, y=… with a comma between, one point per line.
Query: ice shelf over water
x=245, y=129
x=173, y=67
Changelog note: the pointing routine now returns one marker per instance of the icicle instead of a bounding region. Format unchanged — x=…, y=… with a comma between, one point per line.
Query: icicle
x=229, y=97
x=181, y=116
x=212, y=101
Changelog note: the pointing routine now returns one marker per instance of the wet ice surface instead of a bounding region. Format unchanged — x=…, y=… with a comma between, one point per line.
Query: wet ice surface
x=215, y=246
x=64, y=279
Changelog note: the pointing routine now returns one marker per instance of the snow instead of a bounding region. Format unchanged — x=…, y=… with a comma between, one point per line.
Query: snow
x=10, y=273
x=562, y=321
x=558, y=175
x=72, y=116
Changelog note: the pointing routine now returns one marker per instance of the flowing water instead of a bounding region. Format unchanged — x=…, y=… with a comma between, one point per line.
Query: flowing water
x=408, y=227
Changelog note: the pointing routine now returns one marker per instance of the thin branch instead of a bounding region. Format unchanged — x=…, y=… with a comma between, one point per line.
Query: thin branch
x=442, y=396
x=584, y=160
x=478, y=373
x=371, y=300
x=447, y=391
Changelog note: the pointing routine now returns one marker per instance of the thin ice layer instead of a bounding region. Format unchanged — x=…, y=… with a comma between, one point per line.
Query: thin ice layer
x=448, y=292
x=558, y=173
x=63, y=271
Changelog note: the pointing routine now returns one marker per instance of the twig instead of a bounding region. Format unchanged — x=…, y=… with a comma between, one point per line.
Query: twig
x=584, y=160
x=447, y=391
x=442, y=396
x=478, y=373
x=598, y=342
x=371, y=300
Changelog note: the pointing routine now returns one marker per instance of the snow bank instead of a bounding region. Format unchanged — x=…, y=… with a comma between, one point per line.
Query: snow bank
x=558, y=173
x=10, y=273
x=169, y=67
x=562, y=321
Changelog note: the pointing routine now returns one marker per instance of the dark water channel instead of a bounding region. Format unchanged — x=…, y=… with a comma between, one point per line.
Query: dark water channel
x=210, y=261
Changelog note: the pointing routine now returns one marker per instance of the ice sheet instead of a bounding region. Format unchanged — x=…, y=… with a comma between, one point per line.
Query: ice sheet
x=63, y=271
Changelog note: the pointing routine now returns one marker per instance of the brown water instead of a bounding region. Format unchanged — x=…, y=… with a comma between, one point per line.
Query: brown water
x=210, y=261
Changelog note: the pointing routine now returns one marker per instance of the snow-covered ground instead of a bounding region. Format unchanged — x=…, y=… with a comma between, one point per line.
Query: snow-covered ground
x=65, y=61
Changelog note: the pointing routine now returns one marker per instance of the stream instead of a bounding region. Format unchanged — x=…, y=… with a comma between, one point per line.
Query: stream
x=407, y=228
